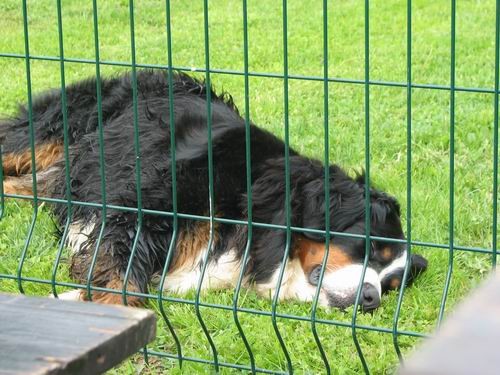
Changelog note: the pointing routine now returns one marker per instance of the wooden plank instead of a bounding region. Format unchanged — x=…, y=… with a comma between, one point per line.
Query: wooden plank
x=467, y=342
x=50, y=336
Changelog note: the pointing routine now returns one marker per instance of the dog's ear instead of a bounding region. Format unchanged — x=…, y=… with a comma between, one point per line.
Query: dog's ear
x=269, y=201
x=383, y=207
x=268, y=191
x=227, y=141
x=345, y=206
x=381, y=203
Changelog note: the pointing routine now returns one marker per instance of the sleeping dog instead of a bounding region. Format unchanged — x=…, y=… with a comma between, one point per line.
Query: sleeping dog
x=102, y=240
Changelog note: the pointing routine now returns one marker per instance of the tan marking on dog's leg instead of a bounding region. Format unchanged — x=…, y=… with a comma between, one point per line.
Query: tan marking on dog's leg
x=311, y=254
x=23, y=185
x=18, y=185
x=116, y=283
x=19, y=163
x=105, y=274
x=190, y=243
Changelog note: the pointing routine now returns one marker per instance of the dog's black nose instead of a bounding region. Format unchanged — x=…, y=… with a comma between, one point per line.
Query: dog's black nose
x=370, y=298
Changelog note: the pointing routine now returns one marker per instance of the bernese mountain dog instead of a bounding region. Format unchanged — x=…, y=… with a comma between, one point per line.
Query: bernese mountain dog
x=105, y=238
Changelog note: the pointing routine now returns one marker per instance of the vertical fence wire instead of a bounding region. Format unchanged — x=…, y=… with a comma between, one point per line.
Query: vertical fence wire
x=367, y=189
x=100, y=132
x=31, y=132
x=287, y=193
x=452, y=166
x=326, y=146
x=495, y=136
x=397, y=312
x=210, y=187
x=67, y=166
x=173, y=167
x=137, y=150
x=248, y=154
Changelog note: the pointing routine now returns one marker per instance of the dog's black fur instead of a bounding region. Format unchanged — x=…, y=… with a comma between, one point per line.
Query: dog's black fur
x=347, y=195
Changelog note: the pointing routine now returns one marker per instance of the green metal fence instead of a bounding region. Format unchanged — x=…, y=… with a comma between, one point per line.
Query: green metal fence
x=250, y=363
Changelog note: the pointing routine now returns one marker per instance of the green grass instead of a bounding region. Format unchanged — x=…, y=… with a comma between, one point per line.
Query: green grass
x=430, y=146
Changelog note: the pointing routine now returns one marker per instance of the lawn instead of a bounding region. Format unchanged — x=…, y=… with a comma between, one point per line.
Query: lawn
x=430, y=147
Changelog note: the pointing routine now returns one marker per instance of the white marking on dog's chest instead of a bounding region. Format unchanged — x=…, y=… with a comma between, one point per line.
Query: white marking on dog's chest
x=78, y=233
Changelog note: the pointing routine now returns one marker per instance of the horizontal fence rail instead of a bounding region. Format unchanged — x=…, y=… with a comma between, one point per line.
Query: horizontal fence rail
x=413, y=85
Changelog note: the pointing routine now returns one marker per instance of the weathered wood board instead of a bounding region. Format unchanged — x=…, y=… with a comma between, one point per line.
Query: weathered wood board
x=50, y=336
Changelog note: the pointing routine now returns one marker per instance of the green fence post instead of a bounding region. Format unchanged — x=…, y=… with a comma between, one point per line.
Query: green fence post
x=173, y=165
x=326, y=145
x=248, y=155
x=452, y=166
x=31, y=133
x=138, y=163
x=210, y=185
x=287, y=192
x=67, y=165
x=102, y=167
x=367, y=187
x=137, y=154
x=397, y=312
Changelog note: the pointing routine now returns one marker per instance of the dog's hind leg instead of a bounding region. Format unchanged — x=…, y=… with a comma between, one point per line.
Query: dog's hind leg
x=106, y=280
x=23, y=184
x=19, y=163
x=17, y=169
x=107, y=274
x=18, y=185
x=105, y=267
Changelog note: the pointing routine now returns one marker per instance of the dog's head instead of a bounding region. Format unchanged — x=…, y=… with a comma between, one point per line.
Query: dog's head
x=386, y=259
x=347, y=213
